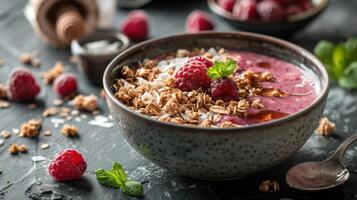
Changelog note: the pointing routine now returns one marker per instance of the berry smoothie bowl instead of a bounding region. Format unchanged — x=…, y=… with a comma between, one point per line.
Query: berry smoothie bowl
x=216, y=106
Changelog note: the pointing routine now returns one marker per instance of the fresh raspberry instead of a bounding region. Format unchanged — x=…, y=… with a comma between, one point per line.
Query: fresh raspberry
x=271, y=11
x=67, y=165
x=293, y=9
x=245, y=9
x=202, y=59
x=136, y=25
x=22, y=85
x=224, y=89
x=191, y=76
x=65, y=85
x=226, y=4
x=199, y=21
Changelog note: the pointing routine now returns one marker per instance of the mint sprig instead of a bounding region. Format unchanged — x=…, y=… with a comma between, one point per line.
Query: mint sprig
x=340, y=61
x=117, y=178
x=222, y=69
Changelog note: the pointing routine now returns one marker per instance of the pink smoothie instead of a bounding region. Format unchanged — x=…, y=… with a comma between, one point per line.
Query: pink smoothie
x=290, y=78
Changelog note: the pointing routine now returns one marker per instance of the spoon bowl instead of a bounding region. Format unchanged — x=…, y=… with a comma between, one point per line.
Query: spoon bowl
x=312, y=176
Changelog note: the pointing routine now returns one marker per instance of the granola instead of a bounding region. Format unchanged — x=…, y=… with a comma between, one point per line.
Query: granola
x=3, y=92
x=86, y=103
x=326, y=127
x=31, y=128
x=52, y=74
x=69, y=130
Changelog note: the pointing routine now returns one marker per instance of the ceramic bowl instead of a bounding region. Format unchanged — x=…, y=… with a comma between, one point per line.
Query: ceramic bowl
x=93, y=65
x=282, y=29
x=217, y=153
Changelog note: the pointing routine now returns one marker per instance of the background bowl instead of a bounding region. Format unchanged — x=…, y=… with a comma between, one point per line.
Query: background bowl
x=93, y=65
x=283, y=28
x=212, y=153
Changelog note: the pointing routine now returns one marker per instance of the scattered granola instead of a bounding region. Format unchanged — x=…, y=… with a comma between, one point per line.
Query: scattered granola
x=52, y=74
x=5, y=134
x=4, y=104
x=3, y=92
x=87, y=103
x=269, y=186
x=69, y=130
x=22, y=148
x=50, y=112
x=326, y=127
x=13, y=149
x=2, y=62
x=31, y=128
x=26, y=58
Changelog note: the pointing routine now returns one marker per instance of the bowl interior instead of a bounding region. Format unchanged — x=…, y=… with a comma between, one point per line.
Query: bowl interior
x=236, y=41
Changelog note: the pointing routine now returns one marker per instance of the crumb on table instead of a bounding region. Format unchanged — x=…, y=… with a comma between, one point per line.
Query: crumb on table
x=326, y=127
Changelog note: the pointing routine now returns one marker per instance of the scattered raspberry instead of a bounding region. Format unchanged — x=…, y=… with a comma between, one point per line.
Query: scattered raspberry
x=136, y=25
x=191, y=76
x=226, y=4
x=67, y=165
x=22, y=85
x=65, y=85
x=199, y=21
x=293, y=9
x=224, y=89
x=202, y=59
x=305, y=4
x=245, y=9
x=270, y=11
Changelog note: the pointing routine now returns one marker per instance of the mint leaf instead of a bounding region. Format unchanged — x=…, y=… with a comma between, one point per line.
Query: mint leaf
x=133, y=188
x=323, y=50
x=351, y=49
x=349, y=79
x=222, y=69
x=114, y=178
x=339, y=58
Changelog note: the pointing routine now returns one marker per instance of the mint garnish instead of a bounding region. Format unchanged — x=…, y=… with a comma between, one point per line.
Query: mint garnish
x=117, y=178
x=222, y=69
x=340, y=61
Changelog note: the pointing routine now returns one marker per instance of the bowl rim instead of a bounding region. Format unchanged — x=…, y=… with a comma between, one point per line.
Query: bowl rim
x=291, y=19
x=324, y=78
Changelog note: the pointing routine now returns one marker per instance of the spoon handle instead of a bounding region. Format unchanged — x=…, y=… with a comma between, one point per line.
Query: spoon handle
x=342, y=148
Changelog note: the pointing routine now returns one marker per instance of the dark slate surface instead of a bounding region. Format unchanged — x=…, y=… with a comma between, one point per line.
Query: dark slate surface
x=23, y=179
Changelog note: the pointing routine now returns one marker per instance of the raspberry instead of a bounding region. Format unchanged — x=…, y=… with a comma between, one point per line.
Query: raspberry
x=305, y=4
x=202, y=59
x=224, y=89
x=199, y=21
x=22, y=85
x=191, y=76
x=65, y=85
x=293, y=9
x=136, y=25
x=270, y=11
x=226, y=4
x=67, y=165
x=245, y=9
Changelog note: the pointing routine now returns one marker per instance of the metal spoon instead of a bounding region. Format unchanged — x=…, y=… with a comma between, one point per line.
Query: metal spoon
x=321, y=175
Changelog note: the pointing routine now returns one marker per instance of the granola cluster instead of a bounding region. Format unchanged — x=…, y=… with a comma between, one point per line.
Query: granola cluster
x=326, y=127
x=31, y=128
x=150, y=90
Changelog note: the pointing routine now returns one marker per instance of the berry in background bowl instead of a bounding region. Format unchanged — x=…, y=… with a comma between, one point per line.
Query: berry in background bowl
x=236, y=110
x=273, y=17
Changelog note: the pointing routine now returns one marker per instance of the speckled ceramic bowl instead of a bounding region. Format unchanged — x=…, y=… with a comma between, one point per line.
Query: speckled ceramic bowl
x=212, y=153
x=282, y=29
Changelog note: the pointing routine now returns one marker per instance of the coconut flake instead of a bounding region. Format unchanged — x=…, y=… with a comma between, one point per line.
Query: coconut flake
x=1, y=142
x=101, y=124
x=57, y=120
x=38, y=158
